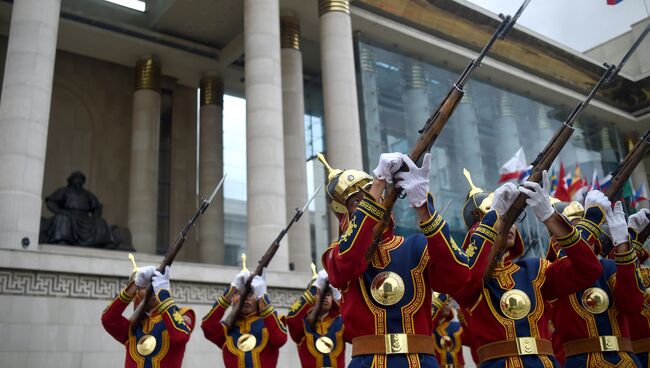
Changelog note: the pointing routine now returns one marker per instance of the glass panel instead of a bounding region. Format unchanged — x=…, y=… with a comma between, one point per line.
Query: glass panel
x=489, y=125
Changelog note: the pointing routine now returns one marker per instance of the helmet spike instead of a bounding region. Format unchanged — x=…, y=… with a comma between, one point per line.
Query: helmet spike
x=135, y=266
x=314, y=274
x=243, y=262
x=331, y=172
x=473, y=189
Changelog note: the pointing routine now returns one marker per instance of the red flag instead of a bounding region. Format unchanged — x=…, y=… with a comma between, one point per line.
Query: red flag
x=562, y=193
x=577, y=182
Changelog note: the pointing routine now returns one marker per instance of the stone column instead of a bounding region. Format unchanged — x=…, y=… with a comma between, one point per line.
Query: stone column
x=143, y=179
x=469, y=154
x=506, y=127
x=342, y=131
x=266, y=207
x=293, y=109
x=211, y=247
x=24, y=119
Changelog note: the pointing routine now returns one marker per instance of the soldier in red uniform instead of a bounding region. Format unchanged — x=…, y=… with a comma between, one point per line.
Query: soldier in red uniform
x=592, y=323
x=159, y=339
x=386, y=302
x=505, y=312
x=323, y=344
x=448, y=334
x=254, y=341
x=639, y=323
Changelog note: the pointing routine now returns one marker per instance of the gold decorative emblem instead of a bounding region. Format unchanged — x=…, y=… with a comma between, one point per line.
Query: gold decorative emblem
x=595, y=300
x=387, y=288
x=324, y=344
x=396, y=343
x=146, y=345
x=246, y=342
x=515, y=304
x=446, y=343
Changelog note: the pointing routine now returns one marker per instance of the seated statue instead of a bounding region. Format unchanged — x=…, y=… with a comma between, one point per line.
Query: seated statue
x=77, y=217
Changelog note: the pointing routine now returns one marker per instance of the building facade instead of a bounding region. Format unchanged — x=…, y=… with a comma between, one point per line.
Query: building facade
x=155, y=107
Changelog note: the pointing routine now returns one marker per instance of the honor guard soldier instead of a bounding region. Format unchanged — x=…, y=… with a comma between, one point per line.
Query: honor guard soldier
x=639, y=323
x=592, y=323
x=386, y=301
x=505, y=307
x=323, y=344
x=448, y=335
x=254, y=341
x=159, y=339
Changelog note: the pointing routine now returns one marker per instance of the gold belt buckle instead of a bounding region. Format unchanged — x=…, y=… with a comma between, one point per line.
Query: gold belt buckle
x=526, y=346
x=396, y=343
x=608, y=343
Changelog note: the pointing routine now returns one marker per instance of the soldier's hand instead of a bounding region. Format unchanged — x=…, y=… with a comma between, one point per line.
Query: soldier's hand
x=639, y=220
x=259, y=286
x=538, y=198
x=336, y=294
x=615, y=219
x=321, y=279
x=415, y=181
x=596, y=198
x=240, y=280
x=504, y=196
x=143, y=276
x=388, y=165
x=160, y=281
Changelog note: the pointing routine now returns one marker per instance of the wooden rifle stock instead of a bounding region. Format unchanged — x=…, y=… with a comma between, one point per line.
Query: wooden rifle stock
x=314, y=313
x=264, y=262
x=173, y=251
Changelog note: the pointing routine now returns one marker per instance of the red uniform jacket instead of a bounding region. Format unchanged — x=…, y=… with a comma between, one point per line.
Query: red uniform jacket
x=331, y=326
x=170, y=326
x=270, y=334
x=421, y=262
x=620, y=281
x=537, y=278
x=639, y=323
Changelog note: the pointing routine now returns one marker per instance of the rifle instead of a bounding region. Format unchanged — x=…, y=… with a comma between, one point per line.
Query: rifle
x=437, y=121
x=624, y=171
x=545, y=158
x=174, y=249
x=264, y=262
x=315, y=311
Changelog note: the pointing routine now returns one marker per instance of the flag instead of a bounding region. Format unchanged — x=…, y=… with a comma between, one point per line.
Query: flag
x=613, y=2
x=514, y=168
x=639, y=195
x=628, y=190
x=561, y=192
x=553, y=182
x=594, y=181
x=577, y=182
x=523, y=176
x=607, y=181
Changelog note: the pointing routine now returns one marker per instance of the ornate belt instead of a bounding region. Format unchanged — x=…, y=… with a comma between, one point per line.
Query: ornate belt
x=641, y=345
x=515, y=347
x=600, y=344
x=392, y=344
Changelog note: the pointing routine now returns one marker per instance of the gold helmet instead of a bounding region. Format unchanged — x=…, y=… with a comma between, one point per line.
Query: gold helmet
x=571, y=210
x=477, y=204
x=342, y=184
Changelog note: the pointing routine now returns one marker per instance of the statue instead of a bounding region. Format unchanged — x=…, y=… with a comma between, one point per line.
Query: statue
x=77, y=217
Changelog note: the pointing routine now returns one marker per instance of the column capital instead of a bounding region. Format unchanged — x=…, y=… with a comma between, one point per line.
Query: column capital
x=416, y=80
x=211, y=86
x=327, y=6
x=289, y=32
x=147, y=73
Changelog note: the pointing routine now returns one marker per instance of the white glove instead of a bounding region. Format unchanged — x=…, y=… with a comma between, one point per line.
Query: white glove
x=639, y=220
x=388, y=165
x=321, y=279
x=143, y=276
x=503, y=198
x=415, y=182
x=160, y=281
x=538, y=198
x=240, y=280
x=615, y=219
x=336, y=294
x=259, y=286
x=596, y=198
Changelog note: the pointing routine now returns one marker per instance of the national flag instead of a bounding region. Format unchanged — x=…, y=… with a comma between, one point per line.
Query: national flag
x=606, y=182
x=594, y=181
x=576, y=182
x=628, y=190
x=561, y=192
x=639, y=195
x=525, y=173
x=553, y=183
x=514, y=167
x=613, y=2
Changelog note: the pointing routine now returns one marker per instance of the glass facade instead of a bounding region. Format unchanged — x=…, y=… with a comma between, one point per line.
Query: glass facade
x=490, y=124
